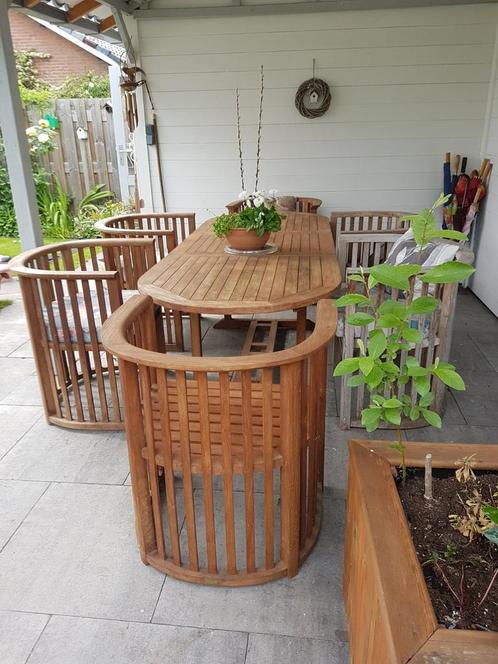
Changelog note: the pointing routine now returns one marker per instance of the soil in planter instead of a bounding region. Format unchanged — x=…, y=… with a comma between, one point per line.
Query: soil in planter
x=447, y=557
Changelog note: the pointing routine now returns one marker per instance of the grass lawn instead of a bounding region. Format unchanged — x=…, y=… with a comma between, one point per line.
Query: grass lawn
x=11, y=246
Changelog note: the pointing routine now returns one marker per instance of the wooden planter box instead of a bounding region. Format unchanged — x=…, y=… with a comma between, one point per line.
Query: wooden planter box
x=390, y=614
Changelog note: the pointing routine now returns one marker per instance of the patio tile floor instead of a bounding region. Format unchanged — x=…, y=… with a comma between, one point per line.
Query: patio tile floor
x=72, y=586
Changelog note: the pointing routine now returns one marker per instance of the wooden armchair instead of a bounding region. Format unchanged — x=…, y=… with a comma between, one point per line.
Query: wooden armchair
x=190, y=424
x=347, y=222
x=168, y=230
x=303, y=204
x=69, y=289
x=363, y=248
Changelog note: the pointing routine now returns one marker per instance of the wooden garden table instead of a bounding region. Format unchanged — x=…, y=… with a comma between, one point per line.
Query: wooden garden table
x=200, y=277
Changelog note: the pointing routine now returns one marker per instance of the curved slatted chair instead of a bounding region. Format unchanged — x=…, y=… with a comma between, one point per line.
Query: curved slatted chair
x=168, y=230
x=303, y=204
x=363, y=221
x=69, y=289
x=217, y=451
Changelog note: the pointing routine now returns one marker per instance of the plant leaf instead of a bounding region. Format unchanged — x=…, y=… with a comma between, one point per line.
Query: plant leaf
x=375, y=377
x=377, y=343
x=366, y=365
x=426, y=400
x=388, y=321
x=423, y=305
x=370, y=418
x=492, y=534
x=448, y=273
x=492, y=512
x=422, y=385
x=449, y=377
x=349, y=365
x=431, y=417
x=394, y=307
x=395, y=276
x=355, y=381
x=351, y=298
x=414, y=413
x=412, y=334
x=392, y=415
x=451, y=235
x=360, y=318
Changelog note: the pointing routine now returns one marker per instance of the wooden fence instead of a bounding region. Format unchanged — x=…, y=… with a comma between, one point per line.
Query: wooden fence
x=81, y=163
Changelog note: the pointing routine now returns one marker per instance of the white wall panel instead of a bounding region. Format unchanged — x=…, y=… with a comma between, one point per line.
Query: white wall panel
x=407, y=85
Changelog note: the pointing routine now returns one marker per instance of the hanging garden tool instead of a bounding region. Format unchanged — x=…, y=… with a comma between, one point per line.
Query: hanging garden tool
x=129, y=84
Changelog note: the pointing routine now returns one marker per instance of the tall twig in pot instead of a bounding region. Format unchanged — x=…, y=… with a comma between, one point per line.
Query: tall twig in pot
x=239, y=138
x=258, y=149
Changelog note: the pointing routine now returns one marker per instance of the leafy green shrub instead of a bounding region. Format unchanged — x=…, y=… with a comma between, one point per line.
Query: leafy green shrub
x=84, y=224
x=380, y=365
x=90, y=85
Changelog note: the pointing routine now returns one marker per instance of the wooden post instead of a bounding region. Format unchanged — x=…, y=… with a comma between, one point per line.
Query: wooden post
x=12, y=124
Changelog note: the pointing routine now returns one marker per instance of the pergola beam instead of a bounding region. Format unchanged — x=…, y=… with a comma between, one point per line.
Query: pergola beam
x=107, y=23
x=16, y=145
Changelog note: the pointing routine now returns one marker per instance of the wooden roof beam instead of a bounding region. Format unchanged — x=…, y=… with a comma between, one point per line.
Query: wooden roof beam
x=107, y=23
x=81, y=9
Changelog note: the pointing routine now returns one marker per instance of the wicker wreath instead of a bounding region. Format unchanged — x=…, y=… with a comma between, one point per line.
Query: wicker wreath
x=320, y=90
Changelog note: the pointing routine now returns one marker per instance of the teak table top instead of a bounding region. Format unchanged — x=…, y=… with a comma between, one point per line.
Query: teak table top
x=199, y=277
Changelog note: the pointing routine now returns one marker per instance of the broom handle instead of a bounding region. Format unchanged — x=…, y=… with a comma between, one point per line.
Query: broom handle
x=487, y=172
x=456, y=163
x=485, y=162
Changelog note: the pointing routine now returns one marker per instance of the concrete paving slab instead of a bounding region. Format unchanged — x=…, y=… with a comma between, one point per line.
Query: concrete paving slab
x=84, y=641
x=15, y=371
x=16, y=421
x=479, y=402
x=309, y=605
x=76, y=554
x=16, y=499
x=450, y=433
x=284, y=649
x=19, y=633
x=53, y=454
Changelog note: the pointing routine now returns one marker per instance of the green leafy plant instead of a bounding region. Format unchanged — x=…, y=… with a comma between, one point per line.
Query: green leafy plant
x=89, y=85
x=84, y=223
x=492, y=532
x=384, y=364
x=257, y=214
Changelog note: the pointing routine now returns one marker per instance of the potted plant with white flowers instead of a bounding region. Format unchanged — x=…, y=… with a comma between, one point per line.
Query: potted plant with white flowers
x=250, y=228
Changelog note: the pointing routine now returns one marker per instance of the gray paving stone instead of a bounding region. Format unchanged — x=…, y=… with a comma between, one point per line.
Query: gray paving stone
x=16, y=420
x=309, y=605
x=18, y=634
x=85, y=641
x=456, y=434
x=54, y=454
x=24, y=350
x=16, y=499
x=479, y=402
x=487, y=342
x=284, y=649
x=76, y=554
x=15, y=371
x=13, y=329
x=466, y=354
x=25, y=392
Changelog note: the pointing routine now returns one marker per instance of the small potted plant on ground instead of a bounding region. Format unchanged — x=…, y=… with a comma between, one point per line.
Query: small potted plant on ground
x=402, y=543
x=250, y=228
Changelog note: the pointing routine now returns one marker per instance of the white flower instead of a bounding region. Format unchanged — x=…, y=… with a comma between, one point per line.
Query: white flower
x=258, y=200
x=43, y=137
x=43, y=123
x=31, y=131
x=272, y=193
x=243, y=196
x=91, y=84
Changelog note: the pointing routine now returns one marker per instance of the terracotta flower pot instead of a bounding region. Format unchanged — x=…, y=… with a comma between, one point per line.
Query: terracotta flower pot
x=244, y=240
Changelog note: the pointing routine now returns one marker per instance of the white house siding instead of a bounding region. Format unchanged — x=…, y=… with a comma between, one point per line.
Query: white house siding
x=485, y=281
x=407, y=85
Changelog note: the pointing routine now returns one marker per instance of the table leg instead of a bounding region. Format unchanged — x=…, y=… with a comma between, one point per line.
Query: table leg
x=301, y=325
x=195, y=335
